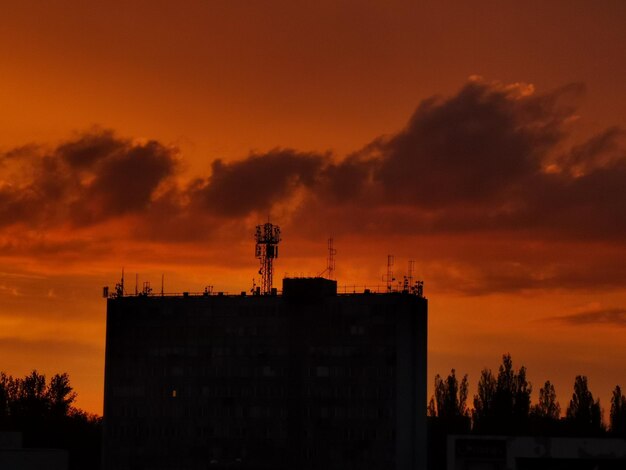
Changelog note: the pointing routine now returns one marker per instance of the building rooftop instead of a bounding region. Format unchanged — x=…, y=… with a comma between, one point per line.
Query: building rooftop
x=292, y=287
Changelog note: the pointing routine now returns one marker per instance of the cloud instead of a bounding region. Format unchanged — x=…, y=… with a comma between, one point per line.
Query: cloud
x=611, y=316
x=83, y=181
x=489, y=158
x=600, y=151
x=86, y=150
x=471, y=147
x=491, y=161
x=255, y=183
x=125, y=181
x=503, y=273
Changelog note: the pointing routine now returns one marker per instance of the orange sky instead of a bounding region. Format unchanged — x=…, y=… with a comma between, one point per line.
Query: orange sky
x=483, y=140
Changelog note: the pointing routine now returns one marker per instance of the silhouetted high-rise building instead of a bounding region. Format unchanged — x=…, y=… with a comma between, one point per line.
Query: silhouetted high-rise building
x=304, y=380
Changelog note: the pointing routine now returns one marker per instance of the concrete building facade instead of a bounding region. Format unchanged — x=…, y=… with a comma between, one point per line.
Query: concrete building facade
x=304, y=380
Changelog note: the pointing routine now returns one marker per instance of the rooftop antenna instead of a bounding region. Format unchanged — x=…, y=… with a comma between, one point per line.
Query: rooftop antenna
x=388, y=278
x=331, y=259
x=147, y=290
x=119, y=287
x=136, y=282
x=267, y=237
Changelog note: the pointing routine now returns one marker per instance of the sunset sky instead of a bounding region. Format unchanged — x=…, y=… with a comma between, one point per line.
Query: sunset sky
x=485, y=140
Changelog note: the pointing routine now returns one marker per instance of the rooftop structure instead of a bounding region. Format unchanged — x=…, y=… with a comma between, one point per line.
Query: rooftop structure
x=267, y=237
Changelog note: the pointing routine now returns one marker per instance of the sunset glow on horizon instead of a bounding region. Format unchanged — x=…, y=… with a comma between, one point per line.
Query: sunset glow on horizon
x=486, y=142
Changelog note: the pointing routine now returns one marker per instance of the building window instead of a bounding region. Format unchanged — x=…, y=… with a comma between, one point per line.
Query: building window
x=357, y=330
x=322, y=371
x=268, y=371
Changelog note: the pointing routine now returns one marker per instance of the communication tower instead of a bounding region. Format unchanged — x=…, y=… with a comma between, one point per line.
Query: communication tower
x=331, y=259
x=389, y=278
x=267, y=237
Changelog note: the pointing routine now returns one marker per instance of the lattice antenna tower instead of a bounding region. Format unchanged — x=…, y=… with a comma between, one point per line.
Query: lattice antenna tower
x=330, y=265
x=408, y=279
x=388, y=278
x=267, y=237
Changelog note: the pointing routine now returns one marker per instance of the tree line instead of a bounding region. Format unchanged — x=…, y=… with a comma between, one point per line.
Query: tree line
x=44, y=412
x=502, y=405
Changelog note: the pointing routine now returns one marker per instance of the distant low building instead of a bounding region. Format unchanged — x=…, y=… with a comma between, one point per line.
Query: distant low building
x=535, y=453
x=13, y=456
x=304, y=380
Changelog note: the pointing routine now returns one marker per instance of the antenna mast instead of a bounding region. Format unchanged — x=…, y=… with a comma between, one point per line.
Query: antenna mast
x=330, y=265
x=388, y=278
x=267, y=237
x=119, y=287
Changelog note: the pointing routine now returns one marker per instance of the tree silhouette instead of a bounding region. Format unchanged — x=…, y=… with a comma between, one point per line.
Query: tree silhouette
x=450, y=398
x=31, y=400
x=545, y=416
x=447, y=413
x=484, y=414
x=547, y=408
x=584, y=415
x=32, y=397
x=44, y=414
x=618, y=412
x=60, y=395
x=4, y=397
x=502, y=404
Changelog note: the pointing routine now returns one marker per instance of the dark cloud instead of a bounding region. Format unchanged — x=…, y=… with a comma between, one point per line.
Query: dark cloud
x=87, y=149
x=470, y=147
x=482, y=143
x=352, y=179
x=524, y=273
x=489, y=158
x=611, y=316
x=83, y=181
x=492, y=161
x=256, y=183
x=463, y=162
x=600, y=151
x=16, y=205
x=17, y=153
x=71, y=249
x=125, y=181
